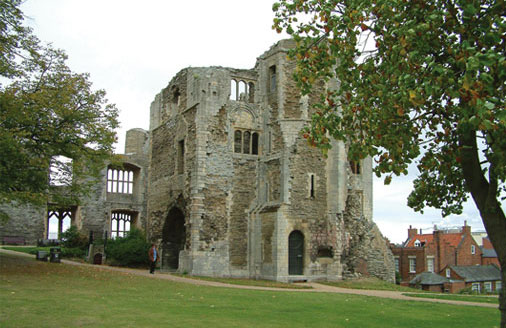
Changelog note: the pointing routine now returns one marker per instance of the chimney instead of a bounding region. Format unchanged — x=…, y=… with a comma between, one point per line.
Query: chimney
x=412, y=232
x=466, y=230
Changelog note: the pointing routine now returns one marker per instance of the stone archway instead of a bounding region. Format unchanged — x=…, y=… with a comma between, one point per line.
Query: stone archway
x=173, y=238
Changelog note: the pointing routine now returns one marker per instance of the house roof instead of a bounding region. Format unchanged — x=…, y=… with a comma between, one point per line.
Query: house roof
x=453, y=239
x=478, y=272
x=488, y=252
x=428, y=278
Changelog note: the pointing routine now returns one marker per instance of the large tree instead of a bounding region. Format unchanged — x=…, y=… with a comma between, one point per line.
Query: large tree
x=47, y=113
x=421, y=81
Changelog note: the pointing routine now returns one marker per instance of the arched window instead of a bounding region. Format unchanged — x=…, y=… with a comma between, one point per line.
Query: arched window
x=242, y=91
x=246, y=142
x=59, y=221
x=233, y=90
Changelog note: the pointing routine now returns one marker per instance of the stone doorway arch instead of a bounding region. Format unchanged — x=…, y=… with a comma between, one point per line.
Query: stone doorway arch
x=296, y=253
x=173, y=238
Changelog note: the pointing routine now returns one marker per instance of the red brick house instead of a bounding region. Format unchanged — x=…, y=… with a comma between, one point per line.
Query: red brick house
x=435, y=251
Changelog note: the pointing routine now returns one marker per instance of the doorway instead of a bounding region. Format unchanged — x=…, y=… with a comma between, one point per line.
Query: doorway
x=173, y=238
x=295, y=253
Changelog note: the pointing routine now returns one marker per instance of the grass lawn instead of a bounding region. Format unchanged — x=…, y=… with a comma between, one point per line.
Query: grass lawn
x=39, y=294
x=370, y=283
x=458, y=297
x=248, y=282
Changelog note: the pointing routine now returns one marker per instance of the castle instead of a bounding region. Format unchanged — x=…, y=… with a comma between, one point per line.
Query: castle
x=226, y=185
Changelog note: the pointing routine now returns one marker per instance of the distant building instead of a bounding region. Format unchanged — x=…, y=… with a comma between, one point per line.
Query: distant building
x=438, y=250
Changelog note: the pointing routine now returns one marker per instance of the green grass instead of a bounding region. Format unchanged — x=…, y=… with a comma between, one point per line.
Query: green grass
x=370, y=283
x=27, y=249
x=248, y=282
x=43, y=294
x=457, y=297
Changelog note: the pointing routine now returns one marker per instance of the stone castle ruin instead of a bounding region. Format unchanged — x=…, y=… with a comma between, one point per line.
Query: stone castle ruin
x=227, y=186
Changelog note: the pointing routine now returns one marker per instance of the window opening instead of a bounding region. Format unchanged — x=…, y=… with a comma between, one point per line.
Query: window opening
x=176, y=98
x=430, y=264
x=355, y=167
x=242, y=91
x=120, y=224
x=473, y=249
x=251, y=92
x=412, y=265
x=397, y=266
x=311, y=186
x=60, y=171
x=233, y=90
x=180, y=157
x=58, y=221
x=324, y=251
x=272, y=78
x=120, y=181
x=246, y=142
x=254, y=144
x=448, y=273
x=237, y=141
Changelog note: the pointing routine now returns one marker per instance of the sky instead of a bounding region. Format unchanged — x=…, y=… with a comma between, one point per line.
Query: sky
x=133, y=51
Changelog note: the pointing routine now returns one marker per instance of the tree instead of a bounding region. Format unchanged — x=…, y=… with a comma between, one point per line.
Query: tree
x=420, y=81
x=47, y=112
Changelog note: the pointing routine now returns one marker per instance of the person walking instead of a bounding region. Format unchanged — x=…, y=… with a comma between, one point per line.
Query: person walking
x=153, y=257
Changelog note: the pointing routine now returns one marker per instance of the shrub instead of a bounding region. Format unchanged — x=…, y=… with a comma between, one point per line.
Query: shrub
x=73, y=238
x=75, y=252
x=131, y=250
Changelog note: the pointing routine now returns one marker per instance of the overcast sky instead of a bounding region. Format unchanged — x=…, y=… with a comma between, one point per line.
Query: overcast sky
x=132, y=49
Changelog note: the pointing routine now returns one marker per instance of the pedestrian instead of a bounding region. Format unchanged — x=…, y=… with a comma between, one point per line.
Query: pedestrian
x=153, y=257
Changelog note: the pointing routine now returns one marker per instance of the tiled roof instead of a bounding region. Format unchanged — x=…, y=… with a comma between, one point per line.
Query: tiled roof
x=453, y=239
x=428, y=278
x=488, y=252
x=478, y=272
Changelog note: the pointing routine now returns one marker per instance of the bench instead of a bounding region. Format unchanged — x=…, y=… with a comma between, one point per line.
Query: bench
x=13, y=240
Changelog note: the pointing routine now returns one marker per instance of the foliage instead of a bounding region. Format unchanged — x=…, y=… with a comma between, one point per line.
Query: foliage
x=131, y=250
x=47, y=113
x=74, y=238
x=419, y=81
x=73, y=252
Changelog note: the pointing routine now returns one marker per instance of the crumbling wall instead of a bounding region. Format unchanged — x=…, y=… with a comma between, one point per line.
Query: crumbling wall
x=365, y=251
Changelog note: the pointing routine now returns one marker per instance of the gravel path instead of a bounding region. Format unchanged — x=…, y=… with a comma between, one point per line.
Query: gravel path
x=316, y=288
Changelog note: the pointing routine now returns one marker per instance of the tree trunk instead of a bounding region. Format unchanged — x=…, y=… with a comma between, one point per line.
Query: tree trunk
x=484, y=193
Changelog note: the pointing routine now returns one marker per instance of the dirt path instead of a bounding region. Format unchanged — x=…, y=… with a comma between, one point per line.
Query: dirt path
x=316, y=288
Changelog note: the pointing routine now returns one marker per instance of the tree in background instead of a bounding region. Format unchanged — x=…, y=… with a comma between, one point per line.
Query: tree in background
x=420, y=81
x=47, y=114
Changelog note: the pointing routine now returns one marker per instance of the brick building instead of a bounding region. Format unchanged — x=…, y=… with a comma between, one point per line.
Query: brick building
x=435, y=251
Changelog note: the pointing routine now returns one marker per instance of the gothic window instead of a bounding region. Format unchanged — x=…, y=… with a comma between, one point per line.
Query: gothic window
x=233, y=90
x=120, y=181
x=59, y=220
x=120, y=224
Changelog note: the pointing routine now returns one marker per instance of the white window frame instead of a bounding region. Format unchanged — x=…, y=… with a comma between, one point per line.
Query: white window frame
x=476, y=287
x=498, y=285
x=487, y=285
x=412, y=264
x=448, y=273
x=397, y=264
x=430, y=259
x=473, y=249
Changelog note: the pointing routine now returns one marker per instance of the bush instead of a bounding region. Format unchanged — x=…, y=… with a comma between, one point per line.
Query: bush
x=131, y=250
x=75, y=252
x=73, y=238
